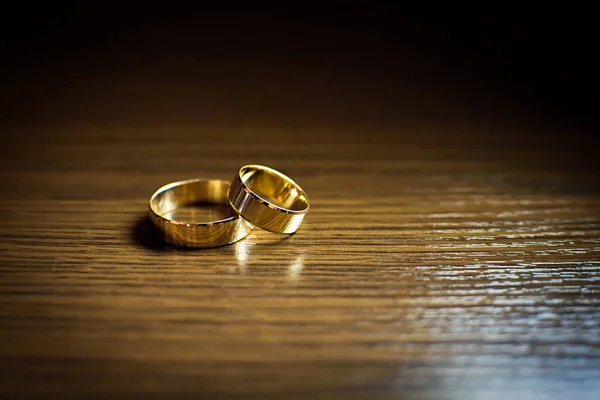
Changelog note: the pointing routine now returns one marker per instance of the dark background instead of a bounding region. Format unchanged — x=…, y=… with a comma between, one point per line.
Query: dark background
x=89, y=62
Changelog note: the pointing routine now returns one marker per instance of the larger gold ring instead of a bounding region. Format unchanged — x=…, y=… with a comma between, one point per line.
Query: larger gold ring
x=196, y=234
x=268, y=199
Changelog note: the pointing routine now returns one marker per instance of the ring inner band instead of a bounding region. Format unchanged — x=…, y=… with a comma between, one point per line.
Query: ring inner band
x=182, y=201
x=275, y=188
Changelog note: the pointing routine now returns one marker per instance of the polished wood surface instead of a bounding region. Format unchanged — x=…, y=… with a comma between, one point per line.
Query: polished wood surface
x=452, y=250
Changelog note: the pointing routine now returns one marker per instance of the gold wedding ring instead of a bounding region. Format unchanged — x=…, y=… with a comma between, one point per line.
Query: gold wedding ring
x=268, y=199
x=220, y=232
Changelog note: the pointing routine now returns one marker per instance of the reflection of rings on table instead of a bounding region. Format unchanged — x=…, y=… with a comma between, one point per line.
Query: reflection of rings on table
x=167, y=199
x=268, y=199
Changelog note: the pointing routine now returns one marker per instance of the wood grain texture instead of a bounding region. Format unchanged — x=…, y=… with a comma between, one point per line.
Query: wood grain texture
x=441, y=258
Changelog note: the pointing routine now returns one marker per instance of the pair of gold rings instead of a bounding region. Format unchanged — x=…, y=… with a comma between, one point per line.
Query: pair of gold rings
x=257, y=196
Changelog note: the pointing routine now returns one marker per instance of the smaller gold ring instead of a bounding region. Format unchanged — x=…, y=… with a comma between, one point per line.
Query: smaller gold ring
x=268, y=199
x=196, y=234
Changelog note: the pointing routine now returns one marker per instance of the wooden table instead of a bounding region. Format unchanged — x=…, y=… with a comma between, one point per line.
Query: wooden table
x=452, y=248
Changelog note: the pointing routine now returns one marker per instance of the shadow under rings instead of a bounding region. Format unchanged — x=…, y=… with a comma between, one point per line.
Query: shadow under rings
x=145, y=234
